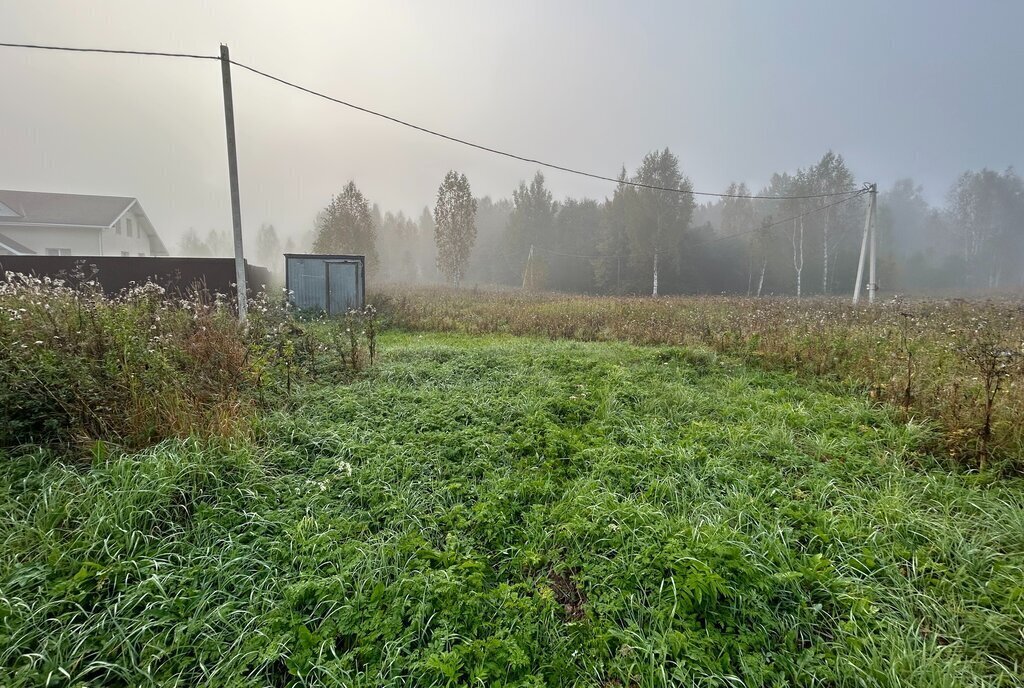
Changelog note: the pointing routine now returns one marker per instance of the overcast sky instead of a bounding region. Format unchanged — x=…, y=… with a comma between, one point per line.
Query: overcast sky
x=738, y=90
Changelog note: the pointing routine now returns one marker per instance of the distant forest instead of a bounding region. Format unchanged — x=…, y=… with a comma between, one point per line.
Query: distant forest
x=974, y=242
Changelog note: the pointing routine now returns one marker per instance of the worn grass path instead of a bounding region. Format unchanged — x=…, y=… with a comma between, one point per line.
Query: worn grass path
x=501, y=511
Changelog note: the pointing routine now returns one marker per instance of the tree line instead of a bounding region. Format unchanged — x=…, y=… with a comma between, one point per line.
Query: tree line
x=642, y=240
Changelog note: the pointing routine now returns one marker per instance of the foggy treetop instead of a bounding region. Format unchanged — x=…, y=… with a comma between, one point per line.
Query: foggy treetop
x=973, y=241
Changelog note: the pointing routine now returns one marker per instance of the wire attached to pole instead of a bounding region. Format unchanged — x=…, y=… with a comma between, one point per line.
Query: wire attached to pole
x=426, y=130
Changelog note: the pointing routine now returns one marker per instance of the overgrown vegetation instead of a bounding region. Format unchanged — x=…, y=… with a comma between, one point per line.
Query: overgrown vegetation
x=498, y=511
x=77, y=366
x=956, y=363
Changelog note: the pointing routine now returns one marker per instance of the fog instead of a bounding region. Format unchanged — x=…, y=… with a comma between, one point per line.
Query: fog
x=739, y=92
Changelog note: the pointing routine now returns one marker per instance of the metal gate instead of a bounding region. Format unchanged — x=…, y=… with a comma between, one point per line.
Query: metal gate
x=343, y=293
x=333, y=284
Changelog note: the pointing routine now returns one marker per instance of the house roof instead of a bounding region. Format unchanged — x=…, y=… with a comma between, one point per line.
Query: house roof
x=9, y=244
x=43, y=208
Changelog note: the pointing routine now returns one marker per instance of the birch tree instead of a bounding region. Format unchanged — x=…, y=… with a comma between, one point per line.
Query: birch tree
x=455, y=225
x=798, y=251
x=829, y=176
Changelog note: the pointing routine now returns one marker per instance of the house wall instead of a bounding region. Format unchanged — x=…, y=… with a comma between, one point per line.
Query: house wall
x=80, y=241
x=86, y=241
x=116, y=239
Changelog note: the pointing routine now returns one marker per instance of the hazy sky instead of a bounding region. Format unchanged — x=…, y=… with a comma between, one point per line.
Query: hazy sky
x=737, y=90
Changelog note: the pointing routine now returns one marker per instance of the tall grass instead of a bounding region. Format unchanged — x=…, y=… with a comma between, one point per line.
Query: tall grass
x=956, y=363
x=500, y=511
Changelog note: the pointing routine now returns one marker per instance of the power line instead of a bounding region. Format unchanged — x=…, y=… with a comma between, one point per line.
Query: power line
x=522, y=158
x=571, y=255
x=432, y=132
x=110, y=51
x=766, y=227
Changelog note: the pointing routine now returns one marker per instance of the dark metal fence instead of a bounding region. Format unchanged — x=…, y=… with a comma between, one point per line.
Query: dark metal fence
x=114, y=273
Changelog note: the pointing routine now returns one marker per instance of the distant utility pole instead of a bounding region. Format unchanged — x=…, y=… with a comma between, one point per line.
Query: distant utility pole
x=236, y=212
x=528, y=272
x=873, y=261
x=870, y=221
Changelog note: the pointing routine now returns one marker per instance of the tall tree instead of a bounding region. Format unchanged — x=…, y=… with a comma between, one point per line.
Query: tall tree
x=396, y=240
x=798, y=252
x=613, y=248
x=346, y=226
x=268, y=247
x=530, y=223
x=192, y=245
x=219, y=243
x=829, y=176
x=915, y=240
x=489, y=262
x=987, y=212
x=576, y=231
x=903, y=217
x=657, y=220
x=763, y=244
x=786, y=186
x=426, y=249
x=737, y=217
x=455, y=225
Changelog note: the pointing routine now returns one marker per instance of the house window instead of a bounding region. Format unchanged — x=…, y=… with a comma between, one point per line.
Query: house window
x=58, y=252
x=128, y=226
x=125, y=253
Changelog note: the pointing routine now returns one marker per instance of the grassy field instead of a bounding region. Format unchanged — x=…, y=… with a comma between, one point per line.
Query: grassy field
x=489, y=510
x=958, y=364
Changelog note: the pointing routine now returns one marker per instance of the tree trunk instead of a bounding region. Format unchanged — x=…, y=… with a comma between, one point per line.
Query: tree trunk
x=655, y=291
x=760, y=283
x=798, y=253
x=750, y=272
x=824, y=273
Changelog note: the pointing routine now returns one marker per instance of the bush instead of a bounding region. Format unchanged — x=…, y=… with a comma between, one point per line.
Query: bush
x=78, y=366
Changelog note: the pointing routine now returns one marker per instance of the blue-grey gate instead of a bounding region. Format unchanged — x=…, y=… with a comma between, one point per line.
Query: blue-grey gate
x=330, y=283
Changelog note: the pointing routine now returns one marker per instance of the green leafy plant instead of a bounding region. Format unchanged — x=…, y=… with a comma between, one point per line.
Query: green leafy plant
x=492, y=510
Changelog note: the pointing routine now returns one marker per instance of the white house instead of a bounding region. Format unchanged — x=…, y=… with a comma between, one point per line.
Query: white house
x=57, y=224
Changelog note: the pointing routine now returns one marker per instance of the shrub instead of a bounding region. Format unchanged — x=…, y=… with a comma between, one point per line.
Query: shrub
x=133, y=369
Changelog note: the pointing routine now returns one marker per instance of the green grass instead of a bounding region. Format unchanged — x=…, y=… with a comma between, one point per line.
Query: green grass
x=502, y=511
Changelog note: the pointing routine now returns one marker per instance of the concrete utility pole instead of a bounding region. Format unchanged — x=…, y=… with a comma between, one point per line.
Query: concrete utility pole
x=236, y=212
x=528, y=272
x=869, y=236
x=872, y=280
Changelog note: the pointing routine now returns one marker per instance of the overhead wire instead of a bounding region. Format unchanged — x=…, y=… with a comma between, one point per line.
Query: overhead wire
x=110, y=51
x=847, y=195
x=514, y=156
x=856, y=194
x=426, y=130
